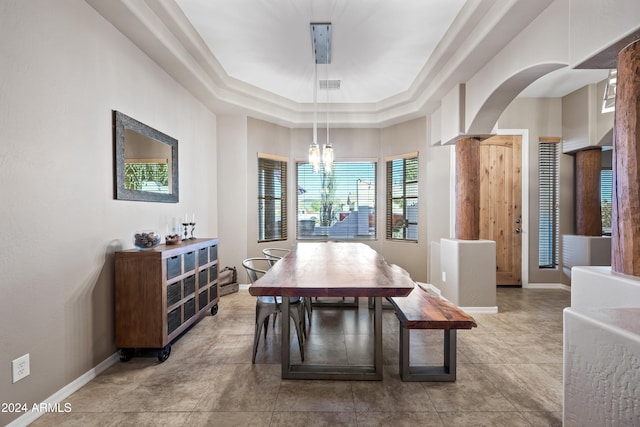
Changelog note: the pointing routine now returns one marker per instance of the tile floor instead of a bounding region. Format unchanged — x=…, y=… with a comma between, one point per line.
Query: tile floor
x=509, y=374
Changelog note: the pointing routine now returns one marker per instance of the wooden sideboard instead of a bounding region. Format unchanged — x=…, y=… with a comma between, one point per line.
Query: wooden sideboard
x=160, y=293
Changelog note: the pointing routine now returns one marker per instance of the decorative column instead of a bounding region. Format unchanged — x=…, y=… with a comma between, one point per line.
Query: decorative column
x=588, y=209
x=625, y=220
x=468, y=189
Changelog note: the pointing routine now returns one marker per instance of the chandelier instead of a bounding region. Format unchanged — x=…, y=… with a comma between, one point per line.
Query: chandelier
x=321, y=43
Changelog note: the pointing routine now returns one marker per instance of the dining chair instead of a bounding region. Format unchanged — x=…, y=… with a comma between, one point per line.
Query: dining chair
x=268, y=305
x=275, y=254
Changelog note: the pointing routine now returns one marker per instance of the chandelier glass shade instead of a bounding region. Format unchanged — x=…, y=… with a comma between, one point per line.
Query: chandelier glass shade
x=314, y=156
x=327, y=157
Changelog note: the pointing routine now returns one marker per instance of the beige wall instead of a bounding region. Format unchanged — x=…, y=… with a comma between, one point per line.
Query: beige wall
x=264, y=137
x=63, y=70
x=400, y=139
x=583, y=123
x=439, y=217
x=232, y=198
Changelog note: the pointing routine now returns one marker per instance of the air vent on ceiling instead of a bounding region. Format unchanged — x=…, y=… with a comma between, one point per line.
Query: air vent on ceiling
x=329, y=84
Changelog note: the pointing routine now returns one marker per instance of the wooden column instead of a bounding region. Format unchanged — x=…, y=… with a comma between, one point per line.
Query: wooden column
x=625, y=216
x=468, y=189
x=588, y=209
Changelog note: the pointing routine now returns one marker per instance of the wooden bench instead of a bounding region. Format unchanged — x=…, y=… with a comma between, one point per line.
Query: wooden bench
x=422, y=310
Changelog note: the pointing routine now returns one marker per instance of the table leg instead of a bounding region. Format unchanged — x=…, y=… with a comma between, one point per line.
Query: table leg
x=285, y=351
x=377, y=332
x=332, y=372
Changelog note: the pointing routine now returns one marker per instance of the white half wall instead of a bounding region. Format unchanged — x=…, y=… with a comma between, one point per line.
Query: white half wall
x=468, y=269
x=597, y=287
x=601, y=367
x=585, y=251
x=602, y=349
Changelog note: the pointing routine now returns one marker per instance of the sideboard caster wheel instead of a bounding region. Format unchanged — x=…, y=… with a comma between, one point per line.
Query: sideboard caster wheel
x=126, y=354
x=164, y=353
x=214, y=310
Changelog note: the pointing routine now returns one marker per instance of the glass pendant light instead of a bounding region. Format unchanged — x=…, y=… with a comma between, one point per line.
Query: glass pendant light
x=327, y=157
x=314, y=157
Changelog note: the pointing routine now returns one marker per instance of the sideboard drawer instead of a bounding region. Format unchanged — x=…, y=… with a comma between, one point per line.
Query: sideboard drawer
x=174, y=319
x=189, y=285
x=174, y=266
x=189, y=309
x=189, y=261
x=173, y=294
x=203, y=256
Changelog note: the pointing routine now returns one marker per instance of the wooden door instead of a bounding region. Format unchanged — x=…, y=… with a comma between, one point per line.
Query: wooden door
x=501, y=204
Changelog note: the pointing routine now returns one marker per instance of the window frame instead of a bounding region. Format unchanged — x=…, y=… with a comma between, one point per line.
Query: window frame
x=263, y=199
x=390, y=223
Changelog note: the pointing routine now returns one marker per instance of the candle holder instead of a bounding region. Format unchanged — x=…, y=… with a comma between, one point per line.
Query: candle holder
x=184, y=227
x=193, y=227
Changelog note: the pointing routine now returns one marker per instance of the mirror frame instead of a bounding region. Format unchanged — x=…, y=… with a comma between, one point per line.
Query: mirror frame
x=122, y=122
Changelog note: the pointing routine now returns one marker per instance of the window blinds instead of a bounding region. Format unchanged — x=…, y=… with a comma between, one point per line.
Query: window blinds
x=337, y=206
x=402, y=197
x=272, y=198
x=606, y=199
x=548, y=184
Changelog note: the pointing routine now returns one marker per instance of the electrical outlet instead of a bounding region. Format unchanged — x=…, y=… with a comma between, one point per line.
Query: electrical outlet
x=444, y=276
x=20, y=367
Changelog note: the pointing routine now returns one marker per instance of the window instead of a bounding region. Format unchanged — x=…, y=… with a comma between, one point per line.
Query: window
x=606, y=199
x=272, y=198
x=402, y=197
x=548, y=184
x=340, y=205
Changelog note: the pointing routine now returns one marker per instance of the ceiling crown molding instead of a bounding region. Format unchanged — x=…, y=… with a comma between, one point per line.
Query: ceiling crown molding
x=162, y=31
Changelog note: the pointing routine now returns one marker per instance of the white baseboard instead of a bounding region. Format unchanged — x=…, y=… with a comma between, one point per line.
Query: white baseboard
x=547, y=286
x=480, y=310
x=243, y=287
x=65, y=392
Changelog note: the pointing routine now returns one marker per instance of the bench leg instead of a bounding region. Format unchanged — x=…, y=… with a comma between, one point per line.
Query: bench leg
x=404, y=353
x=450, y=353
x=447, y=372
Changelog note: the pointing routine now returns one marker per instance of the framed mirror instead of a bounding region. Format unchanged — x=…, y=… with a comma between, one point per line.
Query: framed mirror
x=146, y=162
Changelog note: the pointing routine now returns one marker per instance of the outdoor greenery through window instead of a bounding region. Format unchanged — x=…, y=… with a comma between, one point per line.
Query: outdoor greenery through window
x=272, y=198
x=606, y=198
x=402, y=197
x=340, y=205
x=548, y=184
x=147, y=175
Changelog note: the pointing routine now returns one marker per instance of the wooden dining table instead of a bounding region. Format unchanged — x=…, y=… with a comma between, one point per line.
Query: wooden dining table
x=333, y=269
